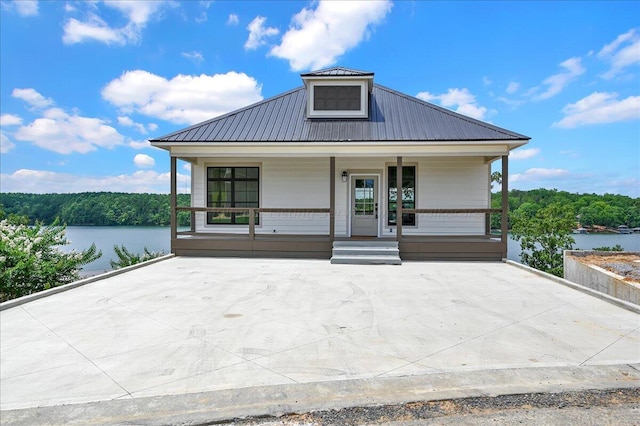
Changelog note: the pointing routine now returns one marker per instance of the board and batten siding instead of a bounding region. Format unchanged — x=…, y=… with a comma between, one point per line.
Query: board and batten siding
x=442, y=182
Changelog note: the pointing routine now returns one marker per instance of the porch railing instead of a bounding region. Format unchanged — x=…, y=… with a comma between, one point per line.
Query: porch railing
x=487, y=215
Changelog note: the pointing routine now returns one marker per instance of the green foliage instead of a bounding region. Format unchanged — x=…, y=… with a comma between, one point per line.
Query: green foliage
x=544, y=234
x=617, y=247
x=95, y=208
x=126, y=258
x=590, y=209
x=31, y=259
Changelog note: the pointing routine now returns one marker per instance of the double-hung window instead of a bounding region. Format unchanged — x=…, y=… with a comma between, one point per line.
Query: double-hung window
x=232, y=187
x=408, y=195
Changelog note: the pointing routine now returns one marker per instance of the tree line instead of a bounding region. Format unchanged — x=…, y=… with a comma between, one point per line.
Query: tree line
x=94, y=208
x=124, y=209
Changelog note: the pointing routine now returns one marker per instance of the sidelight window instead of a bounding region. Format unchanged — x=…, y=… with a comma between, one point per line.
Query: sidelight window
x=408, y=195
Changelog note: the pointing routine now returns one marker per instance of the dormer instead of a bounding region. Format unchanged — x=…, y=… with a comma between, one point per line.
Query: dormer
x=338, y=93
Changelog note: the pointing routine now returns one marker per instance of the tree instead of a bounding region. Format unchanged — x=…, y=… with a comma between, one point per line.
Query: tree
x=544, y=235
x=31, y=260
x=126, y=258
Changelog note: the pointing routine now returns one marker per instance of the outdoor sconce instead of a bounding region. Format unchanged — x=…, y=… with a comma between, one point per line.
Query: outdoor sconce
x=344, y=175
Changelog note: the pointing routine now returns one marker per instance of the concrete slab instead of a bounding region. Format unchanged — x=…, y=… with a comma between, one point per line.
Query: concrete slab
x=193, y=325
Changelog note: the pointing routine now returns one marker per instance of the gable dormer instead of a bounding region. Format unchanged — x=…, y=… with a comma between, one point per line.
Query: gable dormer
x=338, y=93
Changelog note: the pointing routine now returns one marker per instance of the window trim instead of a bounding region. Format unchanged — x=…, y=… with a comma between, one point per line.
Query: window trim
x=415, y=194
x=206, y=192
x=363, y=112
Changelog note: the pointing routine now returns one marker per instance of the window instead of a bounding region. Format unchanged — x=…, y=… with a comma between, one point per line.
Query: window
x=408, y=195
x=336, y=98
x=232, y=187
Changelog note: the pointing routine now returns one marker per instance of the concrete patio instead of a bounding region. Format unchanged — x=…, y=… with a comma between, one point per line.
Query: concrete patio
x=193, y=325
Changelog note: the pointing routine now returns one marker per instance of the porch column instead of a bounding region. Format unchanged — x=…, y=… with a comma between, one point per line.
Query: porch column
x=505, y=202
x=399, y=200
x=332, y=198
x=173, y=201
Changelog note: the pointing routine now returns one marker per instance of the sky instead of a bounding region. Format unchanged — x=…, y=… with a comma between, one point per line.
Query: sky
x=84, y=85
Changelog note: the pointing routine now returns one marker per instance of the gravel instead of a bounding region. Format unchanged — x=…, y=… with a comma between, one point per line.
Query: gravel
x=617, y=406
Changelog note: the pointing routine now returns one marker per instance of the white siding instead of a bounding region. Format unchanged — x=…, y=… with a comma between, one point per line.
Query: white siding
x=443, y=182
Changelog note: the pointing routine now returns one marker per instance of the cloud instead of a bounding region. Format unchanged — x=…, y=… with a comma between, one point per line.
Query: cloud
x=184, y=99
x=536, y=174
x=317, y=37
x=557, y=82
x=32, y=97
x=128, y=122
x=144, y=161
x=486, y=81
x=623, y=52
x=523, y=154
x=41, y=181
x=194, y=56
x=152, y=127
x=600, y=108
x=512, y=87
x=66, y=133
x=9, y=120
x=187, y=167
x=137, y=13
x=139, y=144
x=5, y=144
x=233, y=19
x=464, y=102
x=258, y=32
x=22, y=7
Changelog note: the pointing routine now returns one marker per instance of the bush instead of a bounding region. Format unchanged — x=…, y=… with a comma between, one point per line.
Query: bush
x=543, y=236
x=126, y=258
x=31, y=259
x=617, y=247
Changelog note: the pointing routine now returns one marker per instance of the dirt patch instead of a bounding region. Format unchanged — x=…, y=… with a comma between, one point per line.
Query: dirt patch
x=627, y=265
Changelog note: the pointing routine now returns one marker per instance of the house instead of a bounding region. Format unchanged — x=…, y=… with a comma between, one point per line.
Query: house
x=318, y=166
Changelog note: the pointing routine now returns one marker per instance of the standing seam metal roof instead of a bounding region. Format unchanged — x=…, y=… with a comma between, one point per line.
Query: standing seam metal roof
x=393, y=117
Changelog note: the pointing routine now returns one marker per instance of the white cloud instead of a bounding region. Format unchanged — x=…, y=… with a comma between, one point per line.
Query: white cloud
x=317, y=37
x=152, y=127
x=32, y=97
x=233, y=19
x=144, y=161
x=10, y=120
x=194, y=56
x=40, y=181
x=187, y=167
x=523, y=154
x=258, y=33
x=536, y=174
x=184, y=99
x=5, y=144
x=600, y=108
x=557, y=82
x=486, y=81
x=22, y=7
x=128, y=122
x=624, y=51
x=463, y=101
x=137, y=13
x=66, y=133
x=512, y=87
x=135, y=144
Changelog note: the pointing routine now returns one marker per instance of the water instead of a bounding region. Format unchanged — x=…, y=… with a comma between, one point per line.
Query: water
x=135, y=238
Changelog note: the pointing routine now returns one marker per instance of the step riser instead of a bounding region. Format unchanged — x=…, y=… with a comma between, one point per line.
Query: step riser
x=366, y=253
x=365, y=261
x=370, y=252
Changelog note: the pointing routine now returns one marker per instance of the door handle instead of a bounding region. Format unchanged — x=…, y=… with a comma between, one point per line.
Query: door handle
x=376, y=205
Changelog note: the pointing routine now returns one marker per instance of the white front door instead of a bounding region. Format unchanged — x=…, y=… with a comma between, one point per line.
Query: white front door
x=364, y=206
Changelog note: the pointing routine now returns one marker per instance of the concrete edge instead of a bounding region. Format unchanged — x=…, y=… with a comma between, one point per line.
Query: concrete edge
x=591, y=292
x=276, y=400
x=39, y=295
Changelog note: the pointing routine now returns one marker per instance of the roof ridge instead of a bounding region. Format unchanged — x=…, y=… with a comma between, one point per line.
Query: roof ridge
x=227, y=114
x=453, y=113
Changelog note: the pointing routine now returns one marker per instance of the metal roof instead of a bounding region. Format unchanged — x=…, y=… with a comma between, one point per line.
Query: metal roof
x=338, y=71
x=393, y=117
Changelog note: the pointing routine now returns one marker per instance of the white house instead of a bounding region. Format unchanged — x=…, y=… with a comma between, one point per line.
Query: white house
x=318, y=165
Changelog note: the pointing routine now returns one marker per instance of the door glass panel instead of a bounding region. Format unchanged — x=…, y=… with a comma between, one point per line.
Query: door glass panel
x=364, y=197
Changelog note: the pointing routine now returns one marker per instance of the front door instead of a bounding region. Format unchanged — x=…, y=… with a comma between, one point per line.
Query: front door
x=364, y=206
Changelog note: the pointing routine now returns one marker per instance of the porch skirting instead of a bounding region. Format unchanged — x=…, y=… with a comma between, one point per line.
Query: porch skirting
x=319, y=247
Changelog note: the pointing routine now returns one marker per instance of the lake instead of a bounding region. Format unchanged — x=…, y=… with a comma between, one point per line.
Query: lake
x=135, y=238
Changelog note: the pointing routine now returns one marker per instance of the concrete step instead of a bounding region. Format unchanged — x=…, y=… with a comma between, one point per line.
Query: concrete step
x=366, y=260
x=365, y=243
x=366, y=251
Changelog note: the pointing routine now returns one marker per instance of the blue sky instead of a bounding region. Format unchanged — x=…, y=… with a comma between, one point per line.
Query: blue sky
x=83, y=85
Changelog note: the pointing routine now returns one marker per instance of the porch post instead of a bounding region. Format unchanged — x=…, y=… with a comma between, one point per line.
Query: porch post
x=399, y=200
x=173, y=201
x=332, y=198
x=505, y=202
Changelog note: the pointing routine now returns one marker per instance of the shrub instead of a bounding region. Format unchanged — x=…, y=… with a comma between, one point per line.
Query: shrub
x=126, y=258
x=617, y=247
x=31, y=259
